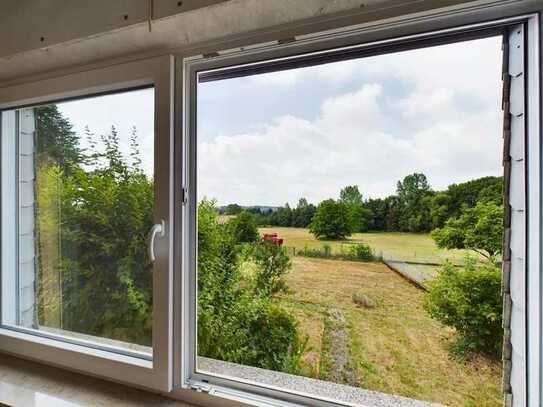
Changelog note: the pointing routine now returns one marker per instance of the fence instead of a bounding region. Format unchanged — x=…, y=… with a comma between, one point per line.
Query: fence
x=419, y=272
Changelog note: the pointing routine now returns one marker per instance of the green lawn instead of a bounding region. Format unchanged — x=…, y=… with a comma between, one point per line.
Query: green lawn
x=418, y=247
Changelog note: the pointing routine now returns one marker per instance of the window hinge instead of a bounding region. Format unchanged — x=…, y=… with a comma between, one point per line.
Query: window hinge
x=184, y=195
x=200, y=387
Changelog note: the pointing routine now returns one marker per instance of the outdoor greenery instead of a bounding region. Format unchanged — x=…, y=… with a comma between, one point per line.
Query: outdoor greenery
x=238, y=320
x=352, y=252
x=243, y=227
x=95, y=208
x=469, y=300
x=106, y=203
x=478, y=228
x=414, y=208
x=332, y=220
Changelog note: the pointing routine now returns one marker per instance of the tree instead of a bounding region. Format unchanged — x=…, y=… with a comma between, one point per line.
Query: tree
x=302, y=214
x=331, y=221
x=352, y=198
x=440, y=209
x=282, y=216
x=414, y=209
x=107, y=212
x=237, y=320
x=232, y=209
x=479, y=229
x=467, y=194
x=56, y=141
x=350, y=195
x=243, y=228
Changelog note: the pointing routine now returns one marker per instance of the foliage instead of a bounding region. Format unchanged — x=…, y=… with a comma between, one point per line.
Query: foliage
x=479, y=229
x=236, y=322
x=354, y=252
x=243, y=228
x=359, y=216
x=331, y=221
x=106, y=215
x=302, y=214
x=232, y=209
x=414, y=203
x=414, y=207
x=360, y=251
x=57, y=142
x=469, y=300
x=273, y=263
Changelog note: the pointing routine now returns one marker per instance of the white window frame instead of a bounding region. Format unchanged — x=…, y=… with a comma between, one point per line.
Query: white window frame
x=89, y=357
x=380, y=37
x=168, y=371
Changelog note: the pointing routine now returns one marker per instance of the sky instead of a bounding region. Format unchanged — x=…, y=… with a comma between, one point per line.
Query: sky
x=123, y=110
x=272, y=138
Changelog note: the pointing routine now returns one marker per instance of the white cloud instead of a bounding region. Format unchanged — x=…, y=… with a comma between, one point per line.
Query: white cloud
x=347, y=144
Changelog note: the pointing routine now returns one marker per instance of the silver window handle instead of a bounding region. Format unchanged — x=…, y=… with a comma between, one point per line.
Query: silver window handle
x=157, y=229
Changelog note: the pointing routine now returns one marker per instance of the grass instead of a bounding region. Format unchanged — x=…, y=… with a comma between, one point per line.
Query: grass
x=418, y=247
x=394, y=347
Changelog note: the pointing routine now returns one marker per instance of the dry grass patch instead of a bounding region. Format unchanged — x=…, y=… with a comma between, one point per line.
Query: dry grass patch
x=395, y=347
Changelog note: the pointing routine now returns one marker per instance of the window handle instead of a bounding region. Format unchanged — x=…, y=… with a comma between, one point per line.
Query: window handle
x=157, y=229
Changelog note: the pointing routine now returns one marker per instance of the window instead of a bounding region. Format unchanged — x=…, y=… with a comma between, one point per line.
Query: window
x=166, y=256
x=83, y=202
x=278, y=304
x=85, y=217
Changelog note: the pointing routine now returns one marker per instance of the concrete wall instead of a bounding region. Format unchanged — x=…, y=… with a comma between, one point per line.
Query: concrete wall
x=80, y=32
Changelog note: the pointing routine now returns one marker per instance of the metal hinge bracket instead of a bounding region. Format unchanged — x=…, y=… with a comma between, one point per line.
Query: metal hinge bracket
x=200, y=387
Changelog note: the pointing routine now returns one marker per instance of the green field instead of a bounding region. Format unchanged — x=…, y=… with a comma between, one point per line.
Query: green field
x=418, y=247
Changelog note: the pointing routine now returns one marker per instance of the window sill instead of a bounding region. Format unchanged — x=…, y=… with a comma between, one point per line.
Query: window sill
x=326, y=390
x=24, y=383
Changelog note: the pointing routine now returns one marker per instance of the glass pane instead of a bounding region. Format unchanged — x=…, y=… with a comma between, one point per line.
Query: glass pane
x=82, y=175
x=350, y=227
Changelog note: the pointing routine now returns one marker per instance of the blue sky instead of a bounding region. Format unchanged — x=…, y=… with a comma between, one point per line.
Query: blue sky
x=273, y=138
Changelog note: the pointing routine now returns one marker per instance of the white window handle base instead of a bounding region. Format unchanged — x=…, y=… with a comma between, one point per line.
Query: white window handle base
x=157, y=229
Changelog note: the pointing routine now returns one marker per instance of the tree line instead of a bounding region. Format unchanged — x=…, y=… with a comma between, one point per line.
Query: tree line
x=415, y=207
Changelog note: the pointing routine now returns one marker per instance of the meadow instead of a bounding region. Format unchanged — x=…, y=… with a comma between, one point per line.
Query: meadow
x=393, y=346
x=415, y=247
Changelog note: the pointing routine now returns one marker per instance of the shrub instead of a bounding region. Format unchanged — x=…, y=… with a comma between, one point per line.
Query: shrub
x=360, y=251
x=272, y=264
x=469, y=300
x=243, y=228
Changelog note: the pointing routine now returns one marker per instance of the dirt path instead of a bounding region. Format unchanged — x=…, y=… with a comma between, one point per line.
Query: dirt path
x=336, y=349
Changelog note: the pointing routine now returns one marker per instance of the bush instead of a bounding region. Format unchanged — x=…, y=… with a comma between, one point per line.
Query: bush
x=355, y=252
x=360, y=251
x=243, y=228
x=238, y=322
x=272, y=264
x=469, y=300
